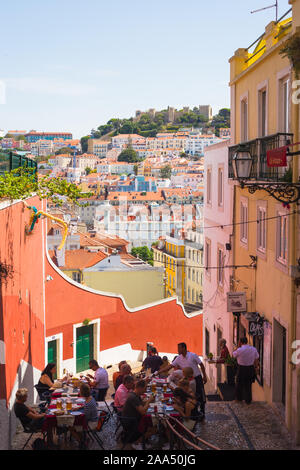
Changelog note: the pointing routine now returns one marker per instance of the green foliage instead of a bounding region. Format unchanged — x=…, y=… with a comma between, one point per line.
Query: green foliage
x=166, y=172
x=231, y=361
x=64, y=150
x=84, y=143
x=22, y=183
x=291, y=50
x=128, y=155
x=88, y=170
x=143, y=253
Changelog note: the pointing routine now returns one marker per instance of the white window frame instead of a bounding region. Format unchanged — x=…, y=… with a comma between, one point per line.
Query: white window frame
x=220, y=262
x=261, y=88
x=207, y=257
x=282, y=238
x=244, y=221
x=244, y=117
x=220, y=186
x=208, y=185
x=261, y=239
x=283, y=77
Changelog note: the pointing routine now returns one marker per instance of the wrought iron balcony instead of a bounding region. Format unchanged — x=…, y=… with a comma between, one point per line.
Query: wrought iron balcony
x=258, y=149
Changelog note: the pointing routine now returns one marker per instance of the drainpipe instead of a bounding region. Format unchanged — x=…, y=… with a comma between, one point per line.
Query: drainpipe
x=295, y=166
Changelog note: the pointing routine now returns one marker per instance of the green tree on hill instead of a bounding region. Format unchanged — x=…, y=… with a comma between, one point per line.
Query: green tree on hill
x=128, y=155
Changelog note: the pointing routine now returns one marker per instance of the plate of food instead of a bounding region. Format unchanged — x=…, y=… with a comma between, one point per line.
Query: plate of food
x=59, y=412
x=75, y=413
x=169, y=408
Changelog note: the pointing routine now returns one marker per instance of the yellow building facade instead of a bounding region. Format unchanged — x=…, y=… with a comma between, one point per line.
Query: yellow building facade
x=171, y=256
x=266, y=231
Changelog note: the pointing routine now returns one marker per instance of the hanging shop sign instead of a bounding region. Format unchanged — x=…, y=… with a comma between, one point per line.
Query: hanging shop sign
x=277, y=157
x=236, y=302
x=256, y=324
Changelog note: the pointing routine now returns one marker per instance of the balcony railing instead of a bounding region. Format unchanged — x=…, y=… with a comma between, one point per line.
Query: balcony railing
x=10, y=161
x=258, y=149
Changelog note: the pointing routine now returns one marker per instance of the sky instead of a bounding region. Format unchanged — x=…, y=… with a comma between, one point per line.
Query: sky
x=70, y=65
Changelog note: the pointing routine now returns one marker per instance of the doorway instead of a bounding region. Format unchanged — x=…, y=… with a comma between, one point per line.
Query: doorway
x=219, y=366
x=52, y=354
x=279, y=367
x=84, y=347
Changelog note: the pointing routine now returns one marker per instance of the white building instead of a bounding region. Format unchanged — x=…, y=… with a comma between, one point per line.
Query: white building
x=218, y=247
x=196, y=144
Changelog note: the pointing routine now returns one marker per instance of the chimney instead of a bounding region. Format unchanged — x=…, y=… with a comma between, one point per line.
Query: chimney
x=60, y=256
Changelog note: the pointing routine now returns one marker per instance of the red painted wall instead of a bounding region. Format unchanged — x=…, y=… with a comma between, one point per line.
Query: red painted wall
x=164, y=324
x=21, y=298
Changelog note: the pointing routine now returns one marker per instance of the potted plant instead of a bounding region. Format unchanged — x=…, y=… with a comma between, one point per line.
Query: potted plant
x=86, y=321
x=210, y=356
x=231, y=368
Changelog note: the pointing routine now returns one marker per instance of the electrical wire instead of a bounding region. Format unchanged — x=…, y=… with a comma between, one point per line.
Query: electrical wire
x=257, y=221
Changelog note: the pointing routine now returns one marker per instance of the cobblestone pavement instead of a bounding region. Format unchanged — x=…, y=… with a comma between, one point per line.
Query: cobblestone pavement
x=229, y=426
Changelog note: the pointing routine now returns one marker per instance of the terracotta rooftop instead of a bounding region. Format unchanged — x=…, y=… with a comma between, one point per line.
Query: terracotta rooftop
x=78, y=259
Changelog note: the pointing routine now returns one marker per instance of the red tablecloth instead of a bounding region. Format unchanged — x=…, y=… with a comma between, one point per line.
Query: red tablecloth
x=51, y=422
x=56, y=395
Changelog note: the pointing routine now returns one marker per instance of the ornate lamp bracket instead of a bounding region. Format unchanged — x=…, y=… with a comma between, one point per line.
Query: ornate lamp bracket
x=287, y=193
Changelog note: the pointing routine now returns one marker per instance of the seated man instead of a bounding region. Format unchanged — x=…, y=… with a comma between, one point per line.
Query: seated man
x=122, y=392
x=152, y=361
x=133, y=411
x=29, y=418
x=188, y=374
x=100, y=382
x=174, y=377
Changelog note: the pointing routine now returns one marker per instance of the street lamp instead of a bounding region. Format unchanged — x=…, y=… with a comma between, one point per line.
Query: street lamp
x=242, y=164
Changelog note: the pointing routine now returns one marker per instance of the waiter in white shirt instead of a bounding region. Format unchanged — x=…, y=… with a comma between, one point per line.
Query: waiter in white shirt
x=189, y=359
x=247, y=359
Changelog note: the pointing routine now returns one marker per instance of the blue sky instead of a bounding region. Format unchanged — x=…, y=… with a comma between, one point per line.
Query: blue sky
x=71, y=65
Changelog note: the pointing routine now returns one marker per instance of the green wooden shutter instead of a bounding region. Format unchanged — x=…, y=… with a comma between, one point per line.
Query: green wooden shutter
x=52, y=353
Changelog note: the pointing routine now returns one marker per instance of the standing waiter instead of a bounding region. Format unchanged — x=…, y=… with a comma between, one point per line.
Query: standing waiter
x=189, y=359
x=247, y=359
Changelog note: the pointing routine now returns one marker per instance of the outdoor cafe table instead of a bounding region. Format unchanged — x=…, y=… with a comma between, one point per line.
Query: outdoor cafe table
x=72, y=394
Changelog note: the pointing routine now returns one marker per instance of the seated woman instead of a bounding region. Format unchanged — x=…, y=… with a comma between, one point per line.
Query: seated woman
x=184, y=384
x=46, y=380
x=185, y=405
x=90, y=407
x=164, y=364
x=28, y=416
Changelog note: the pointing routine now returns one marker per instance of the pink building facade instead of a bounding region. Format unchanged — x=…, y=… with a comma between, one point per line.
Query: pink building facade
x=217, y=322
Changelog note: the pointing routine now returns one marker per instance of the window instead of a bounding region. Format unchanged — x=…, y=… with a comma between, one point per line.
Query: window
x=262, y=112
x=76, y=277
x=207, y=256
x=208, y=183
x=220, y=187
x=244, y=120
x=244, y=222
x=220, y=272
x=284, y=105
x=261, y=229
x=282, y=238
x=207, y=351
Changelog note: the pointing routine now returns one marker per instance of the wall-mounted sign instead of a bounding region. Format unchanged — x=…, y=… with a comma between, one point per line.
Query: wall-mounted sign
x=256, y=329
x=236, y=302
x=277, y=157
